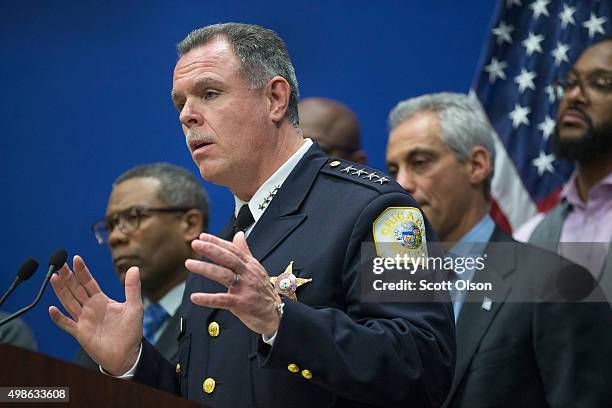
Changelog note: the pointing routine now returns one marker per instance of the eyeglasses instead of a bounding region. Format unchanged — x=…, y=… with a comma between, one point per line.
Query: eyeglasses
x=594, y=85
x=127, y=221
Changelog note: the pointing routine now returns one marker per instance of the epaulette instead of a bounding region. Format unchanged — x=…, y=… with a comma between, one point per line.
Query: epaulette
x=360, y=174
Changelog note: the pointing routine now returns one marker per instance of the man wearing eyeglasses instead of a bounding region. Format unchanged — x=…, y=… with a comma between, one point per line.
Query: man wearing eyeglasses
x=333, y=126
x=153, y=213
x=584, y=135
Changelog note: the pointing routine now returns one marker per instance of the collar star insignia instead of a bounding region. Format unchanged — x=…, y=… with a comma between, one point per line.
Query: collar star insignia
x=371, y=175
x=269, y=197
x=347, y=169
x=382, y=180
x=286, y=283
x=359, y=172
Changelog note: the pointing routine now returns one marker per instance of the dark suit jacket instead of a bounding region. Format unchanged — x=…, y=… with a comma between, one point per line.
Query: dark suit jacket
x=517, y=354
x=167, y=344
x=381, y=354
x=17, y=333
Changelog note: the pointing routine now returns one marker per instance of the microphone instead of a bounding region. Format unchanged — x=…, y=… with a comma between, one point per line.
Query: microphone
x=56, y=261
x=24, y=273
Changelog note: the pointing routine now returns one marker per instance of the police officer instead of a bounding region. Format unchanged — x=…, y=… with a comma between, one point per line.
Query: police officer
x=274, y=318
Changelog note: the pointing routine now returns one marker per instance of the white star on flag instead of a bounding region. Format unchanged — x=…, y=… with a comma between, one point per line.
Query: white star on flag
x=519, y=115
x=496, y=69
x=547, y=127
x=595, y=25
x=552, y=94
x=567, y=15
x=560, y=53
x=539, y=8
x=510, y=3
x=502, y=32
x=544, y=163
x=532, y=43
x=525, y=80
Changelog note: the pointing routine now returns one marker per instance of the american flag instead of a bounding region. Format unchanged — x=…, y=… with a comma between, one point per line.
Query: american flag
x=531, y=43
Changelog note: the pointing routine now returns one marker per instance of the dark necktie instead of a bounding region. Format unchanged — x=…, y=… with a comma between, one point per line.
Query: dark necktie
x=244, y=220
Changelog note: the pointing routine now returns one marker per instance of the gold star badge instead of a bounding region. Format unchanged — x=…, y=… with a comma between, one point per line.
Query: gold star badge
x=286, y=283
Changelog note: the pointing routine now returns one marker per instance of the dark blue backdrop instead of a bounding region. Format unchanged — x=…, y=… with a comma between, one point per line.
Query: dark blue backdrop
x=85, y=95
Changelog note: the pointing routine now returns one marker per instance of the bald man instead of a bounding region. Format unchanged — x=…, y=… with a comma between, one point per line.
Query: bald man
x=333, y=126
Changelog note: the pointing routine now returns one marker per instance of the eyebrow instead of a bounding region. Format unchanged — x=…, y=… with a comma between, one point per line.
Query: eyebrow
x=414, y=152
x=418, y=150
x=596, y=71
x=198, y=86
x=601, y=71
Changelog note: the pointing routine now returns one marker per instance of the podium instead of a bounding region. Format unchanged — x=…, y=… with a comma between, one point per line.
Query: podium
x=24, y=368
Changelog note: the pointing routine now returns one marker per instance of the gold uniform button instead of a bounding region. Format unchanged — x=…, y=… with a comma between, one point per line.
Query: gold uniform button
x=178, y=368
x=213, y=329
x=209, y=385
x=307, y=374
x=293, y=368
x=335, y=163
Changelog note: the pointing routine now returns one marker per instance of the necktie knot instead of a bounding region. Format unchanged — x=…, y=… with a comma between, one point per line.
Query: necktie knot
x=244, y=219
x=154, y=317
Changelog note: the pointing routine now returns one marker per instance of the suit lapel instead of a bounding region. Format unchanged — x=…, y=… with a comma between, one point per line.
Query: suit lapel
x=281, y=218
x=474, y=320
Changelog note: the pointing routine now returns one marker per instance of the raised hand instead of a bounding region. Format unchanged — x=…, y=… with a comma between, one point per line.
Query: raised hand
x=250, y=296
x=109, y=331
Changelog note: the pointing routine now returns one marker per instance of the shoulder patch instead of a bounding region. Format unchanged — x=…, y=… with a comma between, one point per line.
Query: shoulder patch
x=400, y=231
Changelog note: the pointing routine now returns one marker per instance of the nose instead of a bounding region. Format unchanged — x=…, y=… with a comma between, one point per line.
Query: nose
x=406, y=180
x=190, y=115
x=575, y=95
x=116, y=238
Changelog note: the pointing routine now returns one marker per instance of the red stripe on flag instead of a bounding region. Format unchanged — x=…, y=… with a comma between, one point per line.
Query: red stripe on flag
x=499, y=217
x=550, y=201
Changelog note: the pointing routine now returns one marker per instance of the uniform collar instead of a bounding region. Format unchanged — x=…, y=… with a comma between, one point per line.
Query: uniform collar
x=264, y=194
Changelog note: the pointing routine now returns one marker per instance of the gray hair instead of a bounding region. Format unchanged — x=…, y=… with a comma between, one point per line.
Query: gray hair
x=178, y=187
x=261, y=52
x=462, y=120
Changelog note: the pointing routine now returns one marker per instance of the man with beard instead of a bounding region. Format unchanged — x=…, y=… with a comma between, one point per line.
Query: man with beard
x=333, y=126
x=584, y=135
x=153, y=213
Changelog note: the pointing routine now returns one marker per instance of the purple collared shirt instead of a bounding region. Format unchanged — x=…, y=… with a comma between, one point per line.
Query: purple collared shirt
x=589, y=221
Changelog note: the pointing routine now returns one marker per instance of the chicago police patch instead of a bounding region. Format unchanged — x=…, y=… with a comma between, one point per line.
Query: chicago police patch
x=400, y=231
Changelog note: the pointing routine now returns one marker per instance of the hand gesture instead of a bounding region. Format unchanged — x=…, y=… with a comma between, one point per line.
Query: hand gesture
x=250, y=296
x=109, y=331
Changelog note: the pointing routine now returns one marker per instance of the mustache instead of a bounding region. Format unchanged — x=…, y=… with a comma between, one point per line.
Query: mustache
x=579, y=110
x=193, y=137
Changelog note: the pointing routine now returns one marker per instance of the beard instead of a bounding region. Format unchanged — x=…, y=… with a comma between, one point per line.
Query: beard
x=595, y=143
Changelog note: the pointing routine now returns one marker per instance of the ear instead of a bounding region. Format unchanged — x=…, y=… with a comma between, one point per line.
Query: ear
x=479, y=165
x=192, y=224
x=277, y=93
